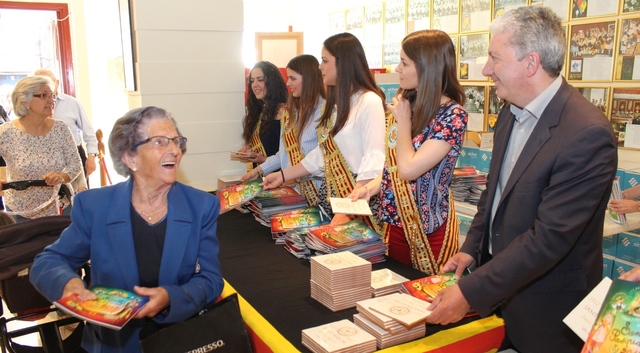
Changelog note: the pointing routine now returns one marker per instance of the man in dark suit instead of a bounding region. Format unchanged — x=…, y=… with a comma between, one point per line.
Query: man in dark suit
x=537, y=236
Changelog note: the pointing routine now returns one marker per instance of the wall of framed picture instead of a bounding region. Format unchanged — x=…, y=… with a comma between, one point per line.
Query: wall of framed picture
x=603, y=49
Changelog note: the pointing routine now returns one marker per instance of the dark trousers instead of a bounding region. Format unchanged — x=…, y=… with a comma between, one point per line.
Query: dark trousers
x=83, y=158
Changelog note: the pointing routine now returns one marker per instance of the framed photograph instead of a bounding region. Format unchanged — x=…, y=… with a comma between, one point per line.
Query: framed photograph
x=628, y=58
x=629, y=6
x=354, y=21
x=598, y=96
x=475, y=107
x=494, y=105
x=337, y=22
x=502, y=6
x=445, y=15
x=128, y=59
x=475, y=15
x=418, y=15
x=560, y=7
x=590, y=58
x=373, y=34
x=394, y=31
x=593, y=8
x=473, y=56
x=625, y=115
x=278, y=47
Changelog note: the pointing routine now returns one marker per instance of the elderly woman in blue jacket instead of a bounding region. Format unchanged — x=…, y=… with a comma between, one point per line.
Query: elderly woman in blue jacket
x=150, y=234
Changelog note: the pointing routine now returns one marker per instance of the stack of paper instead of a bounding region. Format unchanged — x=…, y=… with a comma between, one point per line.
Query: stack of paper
x=340, y=336
x=467, y=184
x=385, y=339
x=385, y=281
x=340, y=280
x=269, y=202
x=403, y=308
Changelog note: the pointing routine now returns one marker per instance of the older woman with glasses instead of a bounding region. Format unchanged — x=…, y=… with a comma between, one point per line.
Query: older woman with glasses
x=150, y=234
x=35, y=146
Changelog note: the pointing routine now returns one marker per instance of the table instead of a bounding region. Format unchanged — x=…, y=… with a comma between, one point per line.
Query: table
x=275, y=300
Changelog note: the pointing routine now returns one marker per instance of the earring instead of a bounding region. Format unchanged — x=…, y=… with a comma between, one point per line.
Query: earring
x=135, y=169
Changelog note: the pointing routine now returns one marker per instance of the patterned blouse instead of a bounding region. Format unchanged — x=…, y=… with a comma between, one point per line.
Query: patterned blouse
x=31, y=157
x=431, y=189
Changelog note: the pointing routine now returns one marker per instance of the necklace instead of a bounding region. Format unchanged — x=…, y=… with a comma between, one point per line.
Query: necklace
x=149, y=216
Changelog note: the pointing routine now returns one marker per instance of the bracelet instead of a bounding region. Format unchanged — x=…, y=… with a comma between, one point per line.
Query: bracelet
x=282, y=173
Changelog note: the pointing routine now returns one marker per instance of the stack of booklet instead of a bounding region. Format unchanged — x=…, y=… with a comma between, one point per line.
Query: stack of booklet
x=393, y=318
x=296, y=219
x=467, y=184
x=269, y=202
x=340, y=280
x=354, y=236
x=339, y=336
x=385, y=281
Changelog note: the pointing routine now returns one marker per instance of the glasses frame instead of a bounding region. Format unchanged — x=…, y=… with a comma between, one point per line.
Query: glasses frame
x=46, y=96
x=180, y=141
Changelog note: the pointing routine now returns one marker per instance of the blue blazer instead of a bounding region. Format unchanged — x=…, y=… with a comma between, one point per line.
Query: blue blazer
x=101, y=232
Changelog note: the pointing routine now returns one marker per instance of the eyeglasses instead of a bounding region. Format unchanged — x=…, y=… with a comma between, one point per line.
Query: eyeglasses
x=161, y=141
x=46, y=96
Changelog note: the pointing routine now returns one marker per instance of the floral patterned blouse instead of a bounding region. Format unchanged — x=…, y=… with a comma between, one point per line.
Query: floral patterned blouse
x=31, y=157
x=431, y=190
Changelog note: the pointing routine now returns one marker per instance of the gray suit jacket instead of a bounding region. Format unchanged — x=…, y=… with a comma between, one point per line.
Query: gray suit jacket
x=547, y=230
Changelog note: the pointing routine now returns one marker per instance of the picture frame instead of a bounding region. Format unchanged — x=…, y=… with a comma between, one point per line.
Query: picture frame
x=625, y=109
x=597, y=95
x=628, y=51
x=561, y=8
x=278, y=47
x=445, y=15
x=373, y=33
x=475, y=15
x=394, y=31
x=128, y=45
x=501, y=6
x=630, y=6
x=588, y=56
x=337, y=22
x=473, y=49
x=418, y=15
x=582, y=9
x=354, y=22
x=494, y=105
x=475, y=106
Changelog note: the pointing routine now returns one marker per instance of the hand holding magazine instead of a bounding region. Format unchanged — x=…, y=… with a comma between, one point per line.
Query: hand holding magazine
x=112, y=308
x=347, y=206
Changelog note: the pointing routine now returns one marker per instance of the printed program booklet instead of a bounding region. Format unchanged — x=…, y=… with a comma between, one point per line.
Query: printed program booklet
x=236, y=195
x=113, y=308
x=616, y=194
x=617, y=326
x=427, y=288
x=346, y=206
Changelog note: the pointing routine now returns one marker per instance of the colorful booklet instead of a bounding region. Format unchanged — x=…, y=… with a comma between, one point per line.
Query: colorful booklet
x=299, y=218
x=113, y=308
x=617, y=326
x=427, y=288
x=236, y=195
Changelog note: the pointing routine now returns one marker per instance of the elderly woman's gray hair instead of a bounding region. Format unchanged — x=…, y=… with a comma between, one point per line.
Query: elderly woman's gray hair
x=23, y=93
x=127, y=131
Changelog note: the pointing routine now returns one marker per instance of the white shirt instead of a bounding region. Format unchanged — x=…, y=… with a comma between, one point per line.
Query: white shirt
x=361, y=139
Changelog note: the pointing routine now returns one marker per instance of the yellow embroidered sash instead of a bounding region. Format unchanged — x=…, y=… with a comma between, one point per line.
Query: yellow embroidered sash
x=421, y=255
x=338, y=176
x=256, y=143
x=293, y=150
